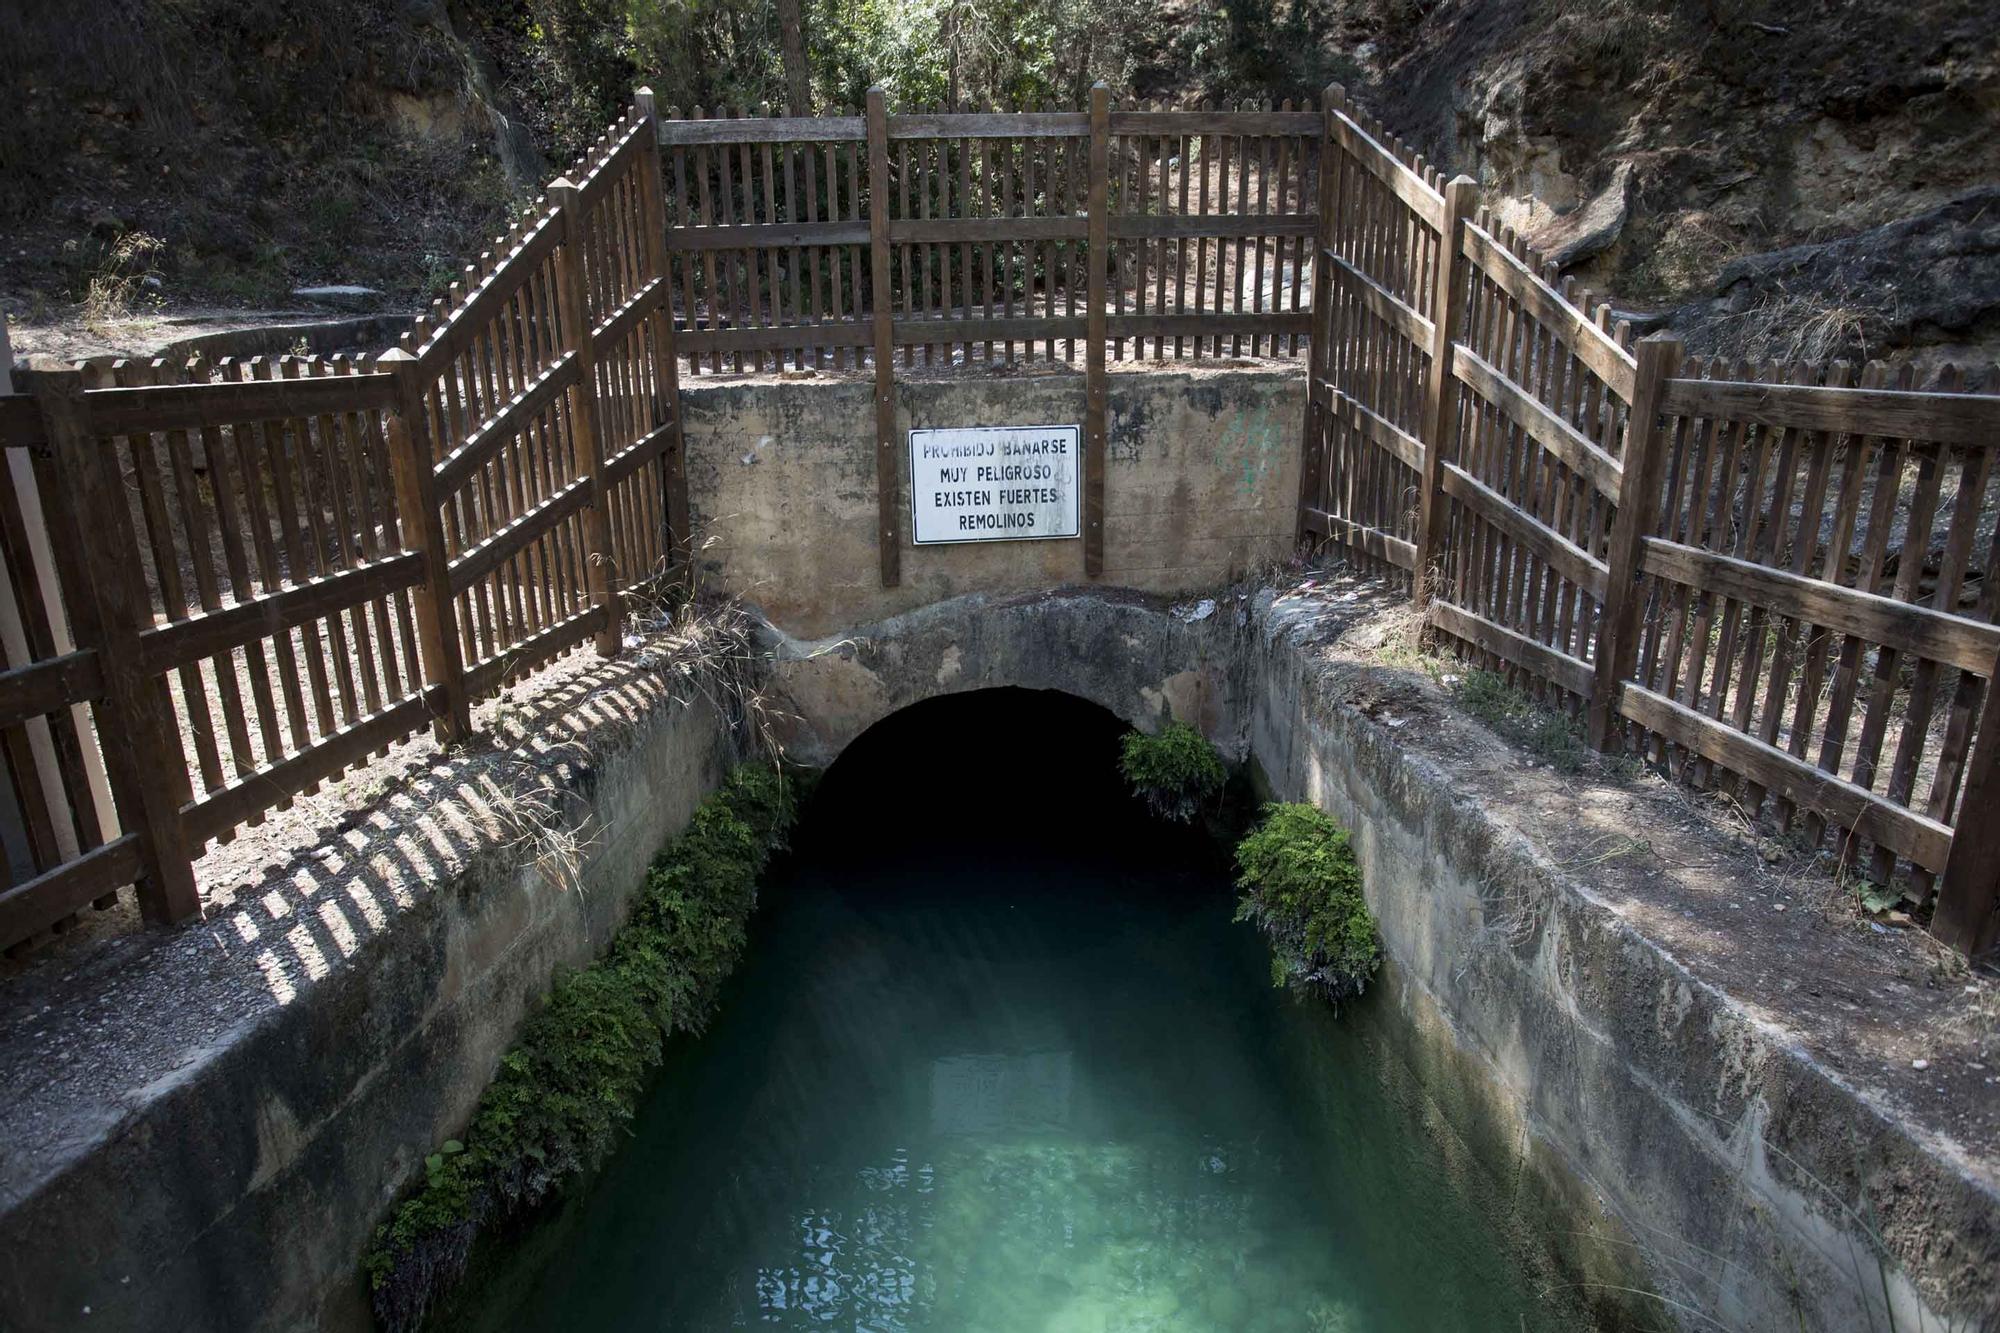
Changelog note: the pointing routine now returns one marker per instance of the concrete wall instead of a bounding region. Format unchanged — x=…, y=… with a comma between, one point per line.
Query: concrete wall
x=1201, y=485
x=187, y=1147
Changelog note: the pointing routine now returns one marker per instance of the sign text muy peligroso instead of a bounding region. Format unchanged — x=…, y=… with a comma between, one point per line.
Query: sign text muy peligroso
x=993, y=483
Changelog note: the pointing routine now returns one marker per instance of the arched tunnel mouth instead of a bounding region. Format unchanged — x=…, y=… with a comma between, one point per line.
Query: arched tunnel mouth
x=999, y=1057
x=1002, y=776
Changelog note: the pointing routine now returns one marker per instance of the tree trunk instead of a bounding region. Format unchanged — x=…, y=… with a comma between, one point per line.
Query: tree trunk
x=951, y=49
x=792, y=40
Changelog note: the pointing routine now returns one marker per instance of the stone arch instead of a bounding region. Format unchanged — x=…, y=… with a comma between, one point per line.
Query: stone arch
x=1138, y=657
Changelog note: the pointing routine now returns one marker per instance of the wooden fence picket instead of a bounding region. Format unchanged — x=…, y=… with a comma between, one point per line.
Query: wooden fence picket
x=1643, y=471
x=1440, y=415
x=108, y=609
x=888, y=467
x=1096, y=393
x=586, y=440
x=422, y=523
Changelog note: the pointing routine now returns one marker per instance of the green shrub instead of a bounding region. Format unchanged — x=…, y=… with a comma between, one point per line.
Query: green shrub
x=1175, y=772
x=1302, y=885
x=575, y=1075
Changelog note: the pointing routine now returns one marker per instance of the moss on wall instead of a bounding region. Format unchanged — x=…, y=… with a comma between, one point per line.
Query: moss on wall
x=574, y=1076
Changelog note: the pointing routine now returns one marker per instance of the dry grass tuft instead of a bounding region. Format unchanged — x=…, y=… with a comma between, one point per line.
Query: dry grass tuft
x=119, y=282
x=1792, y=327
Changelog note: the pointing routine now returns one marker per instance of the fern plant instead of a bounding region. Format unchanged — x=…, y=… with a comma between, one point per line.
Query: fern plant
x=1175, y=772
x=1302, y=885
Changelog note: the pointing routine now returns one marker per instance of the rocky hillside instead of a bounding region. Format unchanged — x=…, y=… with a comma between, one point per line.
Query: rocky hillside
x=1801, y=179
x=162, y=155
x=1775, y=180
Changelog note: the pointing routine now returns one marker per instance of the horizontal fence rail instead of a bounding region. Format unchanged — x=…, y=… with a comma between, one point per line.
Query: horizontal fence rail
x=1770, y=579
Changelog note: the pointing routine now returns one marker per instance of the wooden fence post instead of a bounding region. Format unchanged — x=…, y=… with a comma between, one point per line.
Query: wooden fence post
x=1968, y=902
x=1312, y=448
x=1440, y=415
x=1095, y=392
x=586, y=445
x=888, y=470
x=139, y=736
x=1644, y=466
x=422, y=522
x=666, y=365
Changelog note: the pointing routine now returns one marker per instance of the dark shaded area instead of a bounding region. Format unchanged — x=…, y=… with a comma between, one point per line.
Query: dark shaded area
x=1040, y=768
x=1930, y=279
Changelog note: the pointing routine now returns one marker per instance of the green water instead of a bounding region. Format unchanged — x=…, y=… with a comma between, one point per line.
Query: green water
x=977, y=1078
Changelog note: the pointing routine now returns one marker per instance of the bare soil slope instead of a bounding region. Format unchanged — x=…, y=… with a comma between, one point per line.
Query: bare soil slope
x=1657, y=149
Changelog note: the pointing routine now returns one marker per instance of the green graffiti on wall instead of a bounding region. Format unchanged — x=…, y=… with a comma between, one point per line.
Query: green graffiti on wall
x=1247, y=449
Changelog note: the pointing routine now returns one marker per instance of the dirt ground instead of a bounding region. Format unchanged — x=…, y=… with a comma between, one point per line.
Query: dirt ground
x=1898, y=1016
x=57, y=341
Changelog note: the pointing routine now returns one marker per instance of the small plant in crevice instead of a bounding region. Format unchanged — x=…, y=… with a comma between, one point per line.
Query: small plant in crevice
x=1302, y=886
x=1175, y=772
x=574, y=1076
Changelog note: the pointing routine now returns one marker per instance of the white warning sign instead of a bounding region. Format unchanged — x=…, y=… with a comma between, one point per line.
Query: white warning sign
x=994, y=483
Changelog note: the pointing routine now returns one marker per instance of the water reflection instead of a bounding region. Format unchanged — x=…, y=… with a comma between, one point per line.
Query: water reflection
x=985, y=1094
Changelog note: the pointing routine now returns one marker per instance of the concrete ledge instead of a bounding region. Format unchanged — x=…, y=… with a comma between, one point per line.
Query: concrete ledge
x=1763, y=1190
x=203, y=1127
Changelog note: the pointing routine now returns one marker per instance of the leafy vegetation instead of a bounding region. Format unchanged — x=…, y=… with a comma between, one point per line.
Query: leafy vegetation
x=1302, y=885
x=570, y=65
x=574, y=1077
x=1175, y=772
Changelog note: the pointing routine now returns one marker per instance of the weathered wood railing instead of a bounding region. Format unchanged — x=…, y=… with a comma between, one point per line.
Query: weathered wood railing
x=245, y=579
x=274, y=569
x=1772, y=579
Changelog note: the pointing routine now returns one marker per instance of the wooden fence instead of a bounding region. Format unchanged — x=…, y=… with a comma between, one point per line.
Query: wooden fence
x=1770, y=578
x=247, y=578
x=295, y=563
x=982, y=238
x=274, y=569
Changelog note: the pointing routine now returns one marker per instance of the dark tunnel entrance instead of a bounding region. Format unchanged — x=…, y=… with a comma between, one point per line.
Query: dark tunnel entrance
x=1013, y=773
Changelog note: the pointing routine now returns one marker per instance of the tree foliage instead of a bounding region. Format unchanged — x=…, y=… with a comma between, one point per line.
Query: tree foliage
x=573, y=63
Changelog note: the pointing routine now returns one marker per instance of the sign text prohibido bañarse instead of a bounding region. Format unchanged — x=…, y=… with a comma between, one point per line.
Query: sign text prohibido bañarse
x=993, y=483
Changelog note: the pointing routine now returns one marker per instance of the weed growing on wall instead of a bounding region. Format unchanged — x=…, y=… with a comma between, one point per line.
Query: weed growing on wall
x=1554, y=737
x=574, y=1076
x=1175, y=772
x=1302, y=886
